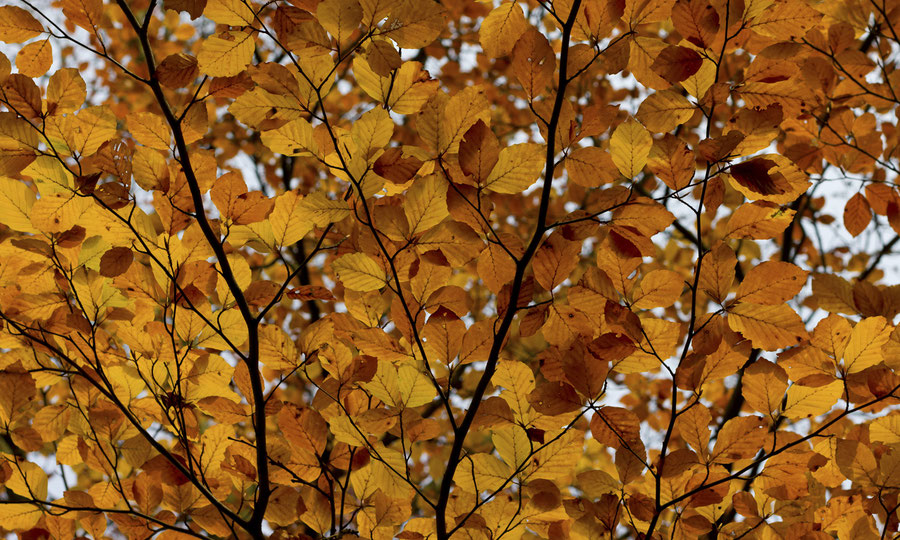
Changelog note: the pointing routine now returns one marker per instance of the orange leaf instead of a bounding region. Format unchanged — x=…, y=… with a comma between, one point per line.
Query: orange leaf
x=857, y=214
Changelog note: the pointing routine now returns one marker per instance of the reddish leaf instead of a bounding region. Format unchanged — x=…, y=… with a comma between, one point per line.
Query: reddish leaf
x=676, y=64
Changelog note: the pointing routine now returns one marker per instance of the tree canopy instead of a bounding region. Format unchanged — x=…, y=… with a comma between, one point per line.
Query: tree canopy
x=569, y=269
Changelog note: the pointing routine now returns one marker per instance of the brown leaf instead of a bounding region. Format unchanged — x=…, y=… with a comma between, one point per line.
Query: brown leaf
x=697, y=21
x=552, y=398
x=676, y=64
x=310, y=292
x=116, y=261
x=391, y=165
x=857, y=214
x=177, y=70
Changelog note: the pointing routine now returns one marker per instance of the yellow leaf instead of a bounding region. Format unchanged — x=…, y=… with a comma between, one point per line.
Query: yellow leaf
x=717, y=272
x=659, y=288
x=358, y=272
x=517, y=380
x=723, y=362
x=512, y=444
x=372, y=131
x=385, y=384
x=461, y=112
x=763, y=386
x=19, y=516
x=643, y=51
x=646, y=11
x=806, y=401
x=659, y=343
x=289, y=223
x=50, y=176
x=481, y=472
x=885, y=429
x=414, y=24
x=340, y=17
x=93, y=127
x=66, y=91
x=150, y=129
x=772, y=282
x=693, y=425
x=229, y=325
x=34, y=59
x=322, y=210
x=16, y=201
x=739, y=438
x=501, y=29
x=226, y=54
x=292, y=139
x=150, y=169
x=630, y=145
x=554, y=261
x=346, y=430
x=789, y=94
x=833, y=294
x=58, y=212
x=768, y=327
x=758, y=221
x=664, y=110
x=405, y=92
x=230, y=12
x=415, y=387
x=426, y=203
x=697, y=84
x=558, y=458
x=768, y=177
x=832, y=335
x=866, y=340
x=18, y=25
x=517, y=168
x=495, y=267
x=590, y=166
x=28, y=480
x=785, y=20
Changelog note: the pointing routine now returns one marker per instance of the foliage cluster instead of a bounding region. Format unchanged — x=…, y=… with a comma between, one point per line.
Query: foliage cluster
x=416, y=269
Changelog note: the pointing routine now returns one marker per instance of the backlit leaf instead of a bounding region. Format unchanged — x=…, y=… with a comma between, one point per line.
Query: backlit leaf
x=664, y=110
x=501, y=29
x=426, y=203
x=357, y=271
x=517, y=167
x=630, y=145
x=34, y=59
x=226, y=54
x=18, y=25
x=806, y=401
x=767, y=327
x=866, y=340
x=772, y=282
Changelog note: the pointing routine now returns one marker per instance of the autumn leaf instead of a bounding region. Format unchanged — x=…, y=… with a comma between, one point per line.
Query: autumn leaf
x=740, y=437
x=501, y=29
x=676, y=64
x=226, y=54
x=697, y=21
x=857, y=214
x=18, y=25
x=516, y=169
x=415, y=269
x=805, y=401
x=664, y=110
x=767, y=327
x=630, y=145
x=772, y=282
